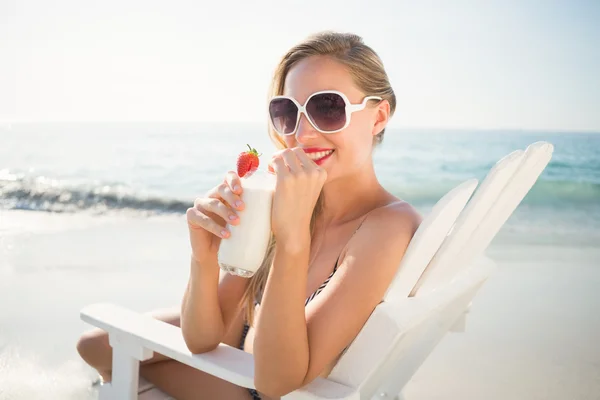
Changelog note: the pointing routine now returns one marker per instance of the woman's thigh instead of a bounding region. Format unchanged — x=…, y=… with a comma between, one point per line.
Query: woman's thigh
x=183, y=382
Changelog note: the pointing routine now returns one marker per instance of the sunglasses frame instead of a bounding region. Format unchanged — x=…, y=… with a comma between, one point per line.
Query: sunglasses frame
x=350, y=108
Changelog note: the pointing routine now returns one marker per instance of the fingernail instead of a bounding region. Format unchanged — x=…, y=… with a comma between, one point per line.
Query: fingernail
x=223, y=233
x=232, y=217
x=237, y=188
x=238, y=203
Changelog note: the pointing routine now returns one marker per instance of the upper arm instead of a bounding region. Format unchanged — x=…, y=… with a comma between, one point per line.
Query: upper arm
x=337, y=315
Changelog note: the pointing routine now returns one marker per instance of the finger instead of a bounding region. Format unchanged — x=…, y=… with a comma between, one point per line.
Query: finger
x=197, y=219
x=279, y=167
x=233, y=181
x=276, y=154
x=292, y=161
x=304, y=159
x=232, y=199
x=217, y=207
x=310, y=166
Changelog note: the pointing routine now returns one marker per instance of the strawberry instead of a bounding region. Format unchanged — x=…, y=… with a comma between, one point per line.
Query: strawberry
x=247, y=161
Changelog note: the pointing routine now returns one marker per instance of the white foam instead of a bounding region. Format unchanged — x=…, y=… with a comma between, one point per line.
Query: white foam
x=24, y=376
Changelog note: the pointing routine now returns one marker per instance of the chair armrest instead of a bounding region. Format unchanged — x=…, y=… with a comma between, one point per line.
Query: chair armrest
x=226, y=362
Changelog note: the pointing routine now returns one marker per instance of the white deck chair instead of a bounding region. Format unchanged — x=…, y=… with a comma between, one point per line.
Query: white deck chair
x=437, y=279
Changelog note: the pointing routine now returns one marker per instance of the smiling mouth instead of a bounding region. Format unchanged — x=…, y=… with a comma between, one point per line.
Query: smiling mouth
x=319, y=155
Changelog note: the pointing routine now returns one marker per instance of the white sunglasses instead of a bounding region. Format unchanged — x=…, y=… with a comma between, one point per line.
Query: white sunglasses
x=328, y=111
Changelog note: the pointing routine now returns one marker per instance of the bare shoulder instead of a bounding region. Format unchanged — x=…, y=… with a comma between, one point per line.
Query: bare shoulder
x=394, y=218
x=384, y=236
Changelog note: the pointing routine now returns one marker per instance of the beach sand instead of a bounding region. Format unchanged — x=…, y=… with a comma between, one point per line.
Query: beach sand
x=532, y=332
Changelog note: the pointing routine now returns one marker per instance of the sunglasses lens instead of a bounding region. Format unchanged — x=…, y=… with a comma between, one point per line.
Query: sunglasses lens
x=284, y=114
x=327, y=111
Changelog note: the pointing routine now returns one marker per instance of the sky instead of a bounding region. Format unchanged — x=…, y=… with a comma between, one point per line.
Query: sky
x=506, y=64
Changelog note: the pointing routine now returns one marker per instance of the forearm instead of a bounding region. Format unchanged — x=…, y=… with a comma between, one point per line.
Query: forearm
x=201, y=318
x=281, y=350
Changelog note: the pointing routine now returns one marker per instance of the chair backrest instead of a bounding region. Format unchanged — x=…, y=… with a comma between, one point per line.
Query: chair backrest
x=403, y=330
x=427, y=240
x=496, y=199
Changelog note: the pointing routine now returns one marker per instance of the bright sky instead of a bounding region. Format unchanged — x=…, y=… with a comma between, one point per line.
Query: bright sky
x=531, y=64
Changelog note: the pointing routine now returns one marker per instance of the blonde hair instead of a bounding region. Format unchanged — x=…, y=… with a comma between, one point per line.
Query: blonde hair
x=369, y=75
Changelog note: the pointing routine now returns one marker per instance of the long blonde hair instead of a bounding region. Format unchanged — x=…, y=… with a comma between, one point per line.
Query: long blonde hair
x=369, y=75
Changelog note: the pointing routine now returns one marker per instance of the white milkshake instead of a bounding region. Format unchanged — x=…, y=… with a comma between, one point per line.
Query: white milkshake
x=243, y=252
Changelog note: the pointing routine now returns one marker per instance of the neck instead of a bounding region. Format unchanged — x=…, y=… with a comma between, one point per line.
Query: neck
x=347, y=198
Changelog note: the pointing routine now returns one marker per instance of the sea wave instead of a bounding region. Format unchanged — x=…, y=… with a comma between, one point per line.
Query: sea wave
x=25, y=375
x=41, y=194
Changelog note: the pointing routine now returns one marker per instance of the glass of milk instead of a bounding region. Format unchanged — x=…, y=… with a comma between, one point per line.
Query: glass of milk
x=243, y=251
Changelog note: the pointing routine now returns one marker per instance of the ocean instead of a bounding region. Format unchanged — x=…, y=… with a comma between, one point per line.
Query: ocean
x=95, y=212
x=157, y=168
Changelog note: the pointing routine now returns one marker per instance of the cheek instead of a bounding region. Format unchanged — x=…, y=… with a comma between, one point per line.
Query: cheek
x=290, y=141
x=356, y=143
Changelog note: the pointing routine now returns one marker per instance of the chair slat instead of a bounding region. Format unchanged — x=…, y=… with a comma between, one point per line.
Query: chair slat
x=427, y=240
x=532, y=164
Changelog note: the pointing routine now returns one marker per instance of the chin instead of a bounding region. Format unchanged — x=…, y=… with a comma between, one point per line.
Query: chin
x=331, y=176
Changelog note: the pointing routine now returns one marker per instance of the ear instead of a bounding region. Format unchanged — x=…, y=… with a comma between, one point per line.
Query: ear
x=382, y=117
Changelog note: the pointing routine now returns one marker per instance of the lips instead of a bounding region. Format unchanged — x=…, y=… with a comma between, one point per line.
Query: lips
x=309, y=150
x=317, y=154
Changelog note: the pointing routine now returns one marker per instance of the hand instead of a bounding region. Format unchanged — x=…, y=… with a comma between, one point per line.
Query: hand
x=208, y=217
x=299, y=183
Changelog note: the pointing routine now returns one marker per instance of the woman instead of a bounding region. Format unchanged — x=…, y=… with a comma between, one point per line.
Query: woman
x=338, y=235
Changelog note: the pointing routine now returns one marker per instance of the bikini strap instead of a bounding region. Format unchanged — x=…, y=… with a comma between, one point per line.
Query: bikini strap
x=354, y=233
x=335, y=266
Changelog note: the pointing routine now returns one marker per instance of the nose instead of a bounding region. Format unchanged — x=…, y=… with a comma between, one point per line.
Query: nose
x=305, y=132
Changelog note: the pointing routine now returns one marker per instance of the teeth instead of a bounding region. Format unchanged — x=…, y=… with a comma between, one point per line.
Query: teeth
x=320, y=154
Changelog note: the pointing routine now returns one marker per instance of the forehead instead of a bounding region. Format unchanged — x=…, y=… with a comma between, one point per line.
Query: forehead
x=318, y=73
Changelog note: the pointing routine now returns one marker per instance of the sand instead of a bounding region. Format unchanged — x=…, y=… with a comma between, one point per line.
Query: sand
x=532, y=332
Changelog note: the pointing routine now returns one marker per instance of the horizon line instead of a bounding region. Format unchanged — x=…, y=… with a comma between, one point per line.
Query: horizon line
x=5, y=123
